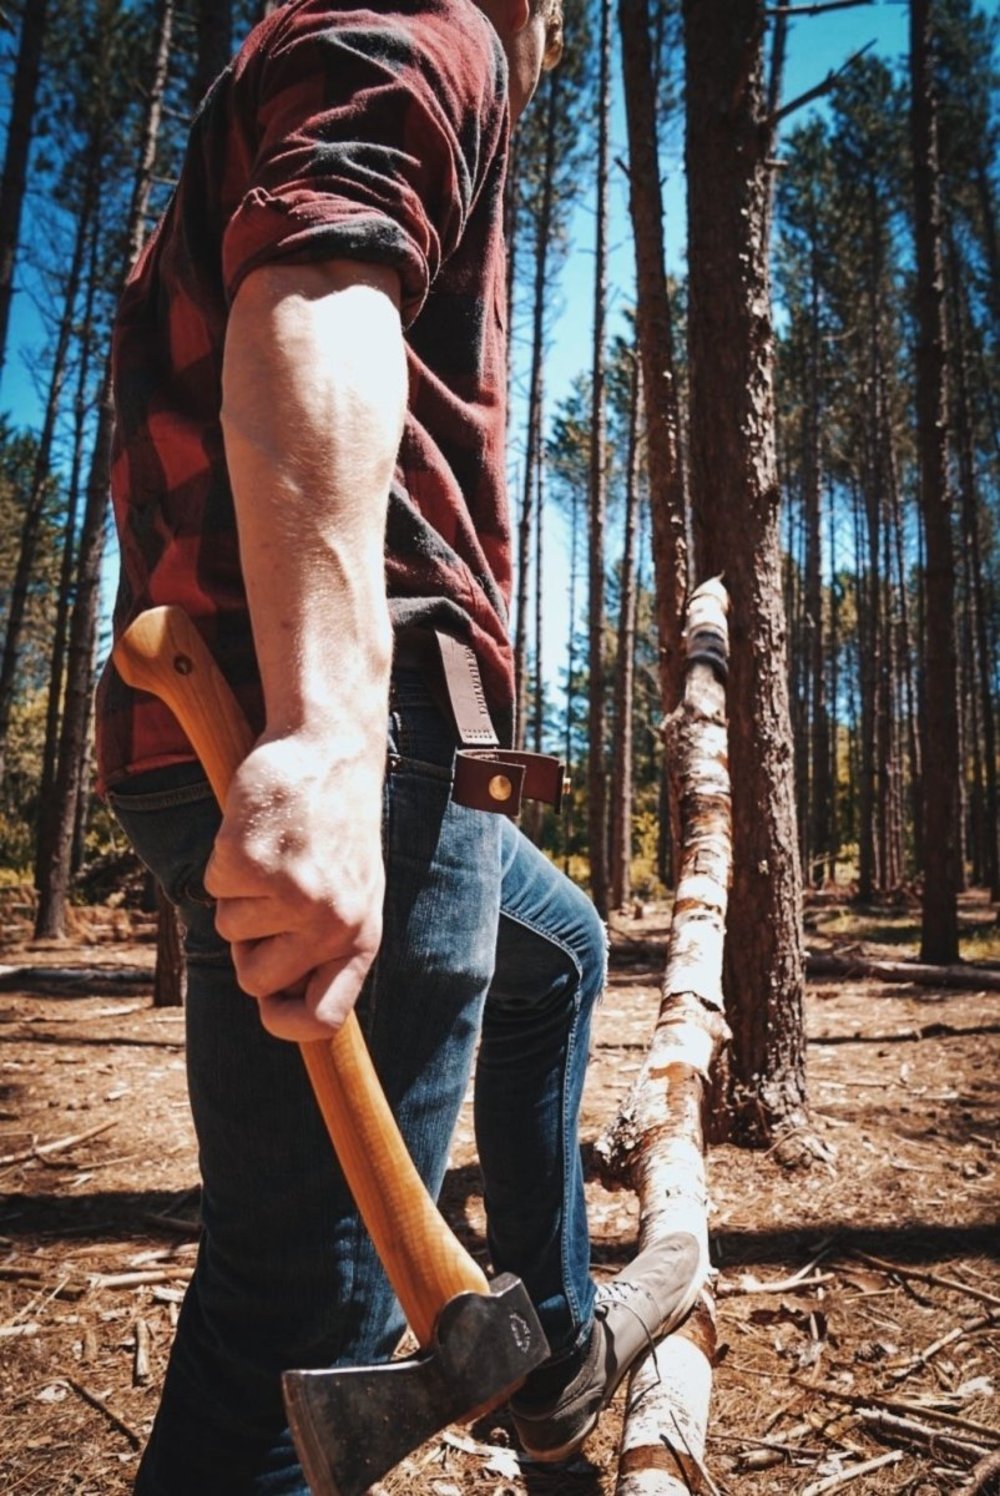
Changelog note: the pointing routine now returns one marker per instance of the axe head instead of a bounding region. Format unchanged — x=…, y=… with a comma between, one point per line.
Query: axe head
x=353, y=1424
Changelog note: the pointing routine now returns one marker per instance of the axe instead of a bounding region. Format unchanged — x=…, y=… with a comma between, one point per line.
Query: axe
x=478, y=1340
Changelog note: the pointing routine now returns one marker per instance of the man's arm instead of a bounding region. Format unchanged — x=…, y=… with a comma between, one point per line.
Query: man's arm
x=314, y=392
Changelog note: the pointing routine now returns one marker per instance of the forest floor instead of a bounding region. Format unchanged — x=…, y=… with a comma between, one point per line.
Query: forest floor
x=896, y=1240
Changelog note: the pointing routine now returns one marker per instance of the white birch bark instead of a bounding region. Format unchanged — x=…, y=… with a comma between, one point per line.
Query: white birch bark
x=657, y=1141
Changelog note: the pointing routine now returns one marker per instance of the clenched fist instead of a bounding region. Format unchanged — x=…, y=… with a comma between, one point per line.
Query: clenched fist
x=298, y=874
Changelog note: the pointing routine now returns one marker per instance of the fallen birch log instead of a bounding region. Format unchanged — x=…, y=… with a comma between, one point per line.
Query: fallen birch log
x=656, y=1143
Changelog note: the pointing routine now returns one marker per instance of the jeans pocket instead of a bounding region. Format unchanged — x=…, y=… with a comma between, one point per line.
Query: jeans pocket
x=160, y=789
x=171, y=818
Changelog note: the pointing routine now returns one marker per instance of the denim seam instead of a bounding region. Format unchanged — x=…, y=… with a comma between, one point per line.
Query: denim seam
x=547, y=935
x=184, y=794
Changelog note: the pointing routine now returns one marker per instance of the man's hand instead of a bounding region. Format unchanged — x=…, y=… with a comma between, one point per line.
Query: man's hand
x=297, y=871
x=314, y=389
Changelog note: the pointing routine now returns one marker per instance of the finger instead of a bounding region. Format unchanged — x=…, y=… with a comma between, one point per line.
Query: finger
x=226, y=878
x=271, y=965
x=329, y=996
x=249, y=919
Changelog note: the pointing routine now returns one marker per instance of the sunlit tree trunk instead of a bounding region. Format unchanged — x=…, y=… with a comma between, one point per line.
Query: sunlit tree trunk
x=597, y=823
x=735, y=501
x=939, y=929
x=48, y=815
x=534, y=433
x=980, y=675
x=654, y=330
x=621, y=778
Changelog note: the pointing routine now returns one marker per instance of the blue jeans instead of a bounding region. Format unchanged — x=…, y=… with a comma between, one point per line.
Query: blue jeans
x=482, y=936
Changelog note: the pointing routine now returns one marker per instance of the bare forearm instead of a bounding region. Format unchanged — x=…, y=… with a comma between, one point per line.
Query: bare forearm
x=314, y=388
x=313, y=398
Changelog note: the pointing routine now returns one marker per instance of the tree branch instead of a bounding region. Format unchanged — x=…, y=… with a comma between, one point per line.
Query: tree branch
x=821, y=88
x=815, y=10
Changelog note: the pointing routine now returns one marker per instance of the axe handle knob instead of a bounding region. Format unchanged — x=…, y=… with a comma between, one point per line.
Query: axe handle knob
x=163, y=653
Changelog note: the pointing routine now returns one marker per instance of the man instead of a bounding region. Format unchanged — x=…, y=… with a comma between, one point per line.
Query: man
x=309, y=376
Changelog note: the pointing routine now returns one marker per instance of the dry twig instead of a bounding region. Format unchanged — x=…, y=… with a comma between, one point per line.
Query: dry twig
x=921, y=1275
x=141, y=1372
x=45, y=1150
x=908, y=1429
x=135, y=1280
x=845, y=1477
x=984, y=1322
x=98, y=1402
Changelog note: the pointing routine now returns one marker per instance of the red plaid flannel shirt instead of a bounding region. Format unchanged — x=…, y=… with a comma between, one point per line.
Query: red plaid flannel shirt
x=377, y=134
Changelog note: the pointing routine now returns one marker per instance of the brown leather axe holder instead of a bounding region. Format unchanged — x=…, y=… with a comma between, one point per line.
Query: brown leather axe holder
x=487, y=777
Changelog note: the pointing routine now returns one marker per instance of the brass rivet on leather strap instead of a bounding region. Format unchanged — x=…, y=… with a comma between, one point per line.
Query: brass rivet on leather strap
x=500, y=787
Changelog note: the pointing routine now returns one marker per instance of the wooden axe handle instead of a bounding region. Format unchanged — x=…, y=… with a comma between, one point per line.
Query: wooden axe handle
x=162, y=652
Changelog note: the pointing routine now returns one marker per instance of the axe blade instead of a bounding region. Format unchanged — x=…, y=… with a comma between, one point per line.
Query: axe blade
x=353, y=1424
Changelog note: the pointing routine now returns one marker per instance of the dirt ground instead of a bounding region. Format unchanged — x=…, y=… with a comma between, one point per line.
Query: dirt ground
x=894, y=1244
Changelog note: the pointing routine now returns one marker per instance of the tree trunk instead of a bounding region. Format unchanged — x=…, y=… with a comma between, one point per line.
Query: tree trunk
x=833, y=770
x=939, y=929
x=980, y=681
x=735, y=501
x=215, y=43
x=538, y=695
x=568, y=823
x=47, y=797
x=909, y=667
x=51, y=915
x=667, y=498
x=542, y=237
x=169, y=978
x=597, y=822
x=15, y=164
x=621, y=778
x=820, y=789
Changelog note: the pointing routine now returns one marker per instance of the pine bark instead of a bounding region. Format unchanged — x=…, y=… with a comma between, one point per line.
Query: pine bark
x=982, y=675
x=568, y=814
x=820, y=788
x=621, y=778
x=939, y=927
x=169, y=977
x=543, y=228
x=654, y=330
x=597, y=786
x=48, y=817
x=735, y=503
x=214, y=20
x=15, y=167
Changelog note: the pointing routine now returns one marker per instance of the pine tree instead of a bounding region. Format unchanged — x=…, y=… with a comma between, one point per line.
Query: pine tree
x=735, y=503
x=939, y=931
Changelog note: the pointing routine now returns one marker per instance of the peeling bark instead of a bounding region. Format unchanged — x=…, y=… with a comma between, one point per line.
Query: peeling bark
x=657, y=1142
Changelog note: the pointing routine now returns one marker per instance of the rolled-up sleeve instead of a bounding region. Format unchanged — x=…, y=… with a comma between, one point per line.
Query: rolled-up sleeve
x=366, y=136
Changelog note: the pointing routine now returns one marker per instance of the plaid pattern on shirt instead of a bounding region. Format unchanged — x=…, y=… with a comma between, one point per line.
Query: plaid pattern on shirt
x=376, y=134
